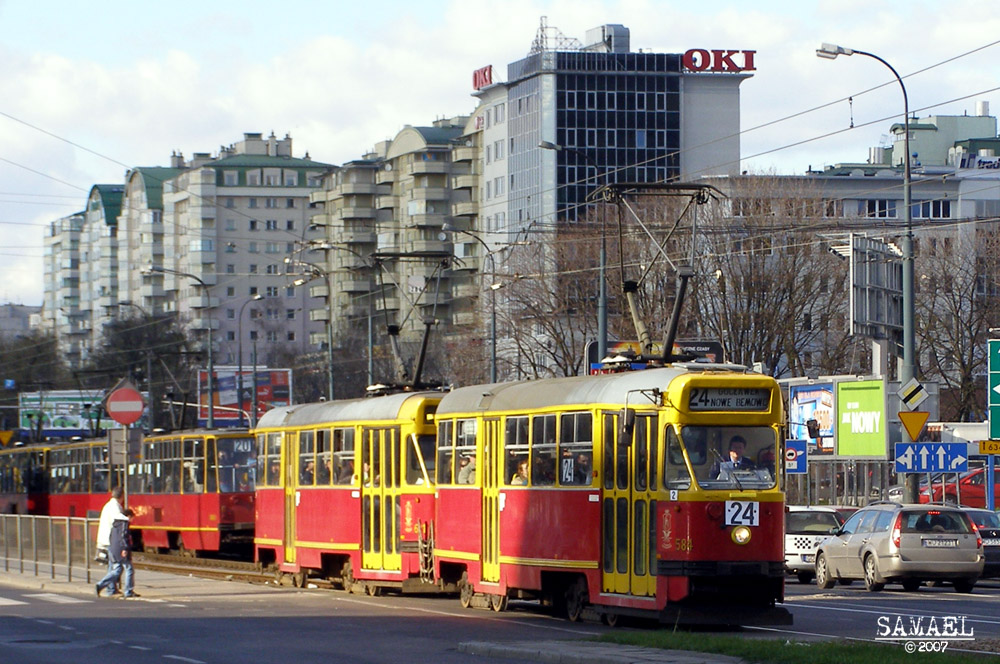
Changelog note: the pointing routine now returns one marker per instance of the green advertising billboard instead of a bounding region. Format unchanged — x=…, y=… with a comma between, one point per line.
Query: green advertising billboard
x=861, y=414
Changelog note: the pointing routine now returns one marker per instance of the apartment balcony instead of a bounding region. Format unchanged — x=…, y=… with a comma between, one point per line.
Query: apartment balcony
x=429, y=167
x=427, y=220
x=464, y=318
x=356, y=188
x=149, y=290
x=429, y=194
x=319, y=315
x=358, y=237
x=465, y=182
x=465, y=290
x=318, y=338
x=354, y=285
x=464, y=153
x=425, y=245
x=204, y=324
x=354, y=213
x=321, y=196
x=465, y=209
x=319, y=289
x=386, y=202
x=202, y=301
x=389, y=304
x=384, y=176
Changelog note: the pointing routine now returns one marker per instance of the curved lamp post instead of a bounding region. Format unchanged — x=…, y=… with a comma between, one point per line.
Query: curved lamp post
x=448, y=228
x=315, y=272
x=239, y=352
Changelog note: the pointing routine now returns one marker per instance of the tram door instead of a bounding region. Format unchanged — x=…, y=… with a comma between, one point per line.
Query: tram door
x=380, y=483
x=493, y=467
x=290, y=453
x=628, y=508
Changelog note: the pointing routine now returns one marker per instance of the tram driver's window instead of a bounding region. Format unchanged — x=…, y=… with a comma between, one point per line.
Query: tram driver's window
x=515, y=444
x=324, y=457
x=675, y=471
x=543, y=450
x=343, y=456
x=445, y=451
x=465, y=452
x=307, y=458
x=576, y=450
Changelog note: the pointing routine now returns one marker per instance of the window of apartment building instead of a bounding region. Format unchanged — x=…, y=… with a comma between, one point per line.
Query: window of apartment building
x=273, y=248
x=253, y=290
x=230, y=291
x=231, y=178
x=253, y=178
x=289, y=247
x=272, y=314
x=272, y=335
x=290, y=291
x=313, y=180
x=289, y=224
x=230, y=248
x=253, y=335
x=271, y=202
x=609, y=100
x=271, y=224
x=878, y=208
x=230, y=224
x=230, y=202
x=231, y=314
x=271, y=291
x=498, y=186
x=833, y=209
x=640, y=140
x=252, y=202
x=273, y=269
x=272, y=179
x=252, y=224
x=498, y=150
x=290, y=314
x=498, y=112
x=253, y=268
x=501, y=221
x=252, y=248
x=488, y=154
x=230, y=335
x=291, y=179
x=489, y=191
x=290, y=336
x=289, y=202
x=931, y=210
x=230, y=268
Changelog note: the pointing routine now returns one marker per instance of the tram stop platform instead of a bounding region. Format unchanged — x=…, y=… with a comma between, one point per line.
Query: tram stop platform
x=163, y=586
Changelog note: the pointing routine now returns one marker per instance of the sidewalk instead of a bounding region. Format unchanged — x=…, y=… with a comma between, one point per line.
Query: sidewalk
x=161, y=586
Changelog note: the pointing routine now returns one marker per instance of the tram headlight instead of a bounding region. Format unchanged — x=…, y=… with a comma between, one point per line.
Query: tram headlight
x=741, y=535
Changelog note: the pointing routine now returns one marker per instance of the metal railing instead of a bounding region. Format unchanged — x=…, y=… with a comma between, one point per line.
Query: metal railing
x=50, y=545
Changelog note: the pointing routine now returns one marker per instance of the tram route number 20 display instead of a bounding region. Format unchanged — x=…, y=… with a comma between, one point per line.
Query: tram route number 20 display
x=742, y=513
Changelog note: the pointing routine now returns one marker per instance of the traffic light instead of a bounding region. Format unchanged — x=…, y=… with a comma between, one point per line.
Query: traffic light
x=812, y=426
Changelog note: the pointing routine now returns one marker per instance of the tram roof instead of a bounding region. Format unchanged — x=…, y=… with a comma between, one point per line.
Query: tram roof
x=343, y=410
x=549, y=392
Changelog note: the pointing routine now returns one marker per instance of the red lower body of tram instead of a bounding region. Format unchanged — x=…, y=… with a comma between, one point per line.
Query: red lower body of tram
x=199, y=522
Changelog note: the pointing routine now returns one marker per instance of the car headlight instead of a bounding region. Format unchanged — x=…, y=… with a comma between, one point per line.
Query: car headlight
x=741, y=535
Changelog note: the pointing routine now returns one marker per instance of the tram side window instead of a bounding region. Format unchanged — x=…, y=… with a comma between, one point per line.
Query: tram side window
x=237, y=464
x=445, y=451
x=272, y=459
x=307, y=458
x=194, y=465
x=99, y=469
x=465, y=452
x=516, y=450
x=212, y=474
x=343, y=455
x=543, y=450
x=640, y=449
x=420, y=450
x=675, y=471
x=324, y=457
x=576, y=449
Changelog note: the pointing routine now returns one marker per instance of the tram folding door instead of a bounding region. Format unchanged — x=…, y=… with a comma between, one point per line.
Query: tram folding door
x=629, y=507
x=494, y=467
x=380, y=486
x=290, y=453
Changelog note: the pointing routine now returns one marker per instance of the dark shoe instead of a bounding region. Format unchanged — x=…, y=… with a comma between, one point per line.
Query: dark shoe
x=98, y=588
x=130, y=596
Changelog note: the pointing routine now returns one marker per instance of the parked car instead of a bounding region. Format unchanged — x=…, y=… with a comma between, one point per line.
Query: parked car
x=988, y=523
x=805, y=528
x=908, y=544
x=971, y=490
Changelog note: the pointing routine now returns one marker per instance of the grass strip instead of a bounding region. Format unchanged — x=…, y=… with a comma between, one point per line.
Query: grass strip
x=781, y=651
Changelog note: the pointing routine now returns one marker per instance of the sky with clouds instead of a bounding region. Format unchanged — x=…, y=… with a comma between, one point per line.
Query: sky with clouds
x=90, y=89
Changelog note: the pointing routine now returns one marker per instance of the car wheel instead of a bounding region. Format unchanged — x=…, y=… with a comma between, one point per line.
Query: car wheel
x=964, y=585
x=823, y=578
x=911, y=585
x=872, y=582
x=805, y=577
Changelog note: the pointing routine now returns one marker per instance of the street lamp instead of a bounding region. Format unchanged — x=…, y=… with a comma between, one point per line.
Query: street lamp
x=907, y=370
x=211, y=367
x=602, y=299
x=315, y=272
x=149, y=365
x=239, y=352
x=494, y=287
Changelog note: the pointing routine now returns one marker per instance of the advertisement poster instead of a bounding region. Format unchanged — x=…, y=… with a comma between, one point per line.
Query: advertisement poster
x=812, y=402
x=273, y=387
x=65, y=413
x=862, y=420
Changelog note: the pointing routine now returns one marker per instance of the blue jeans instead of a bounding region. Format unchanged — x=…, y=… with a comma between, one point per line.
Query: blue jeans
x=115, y=570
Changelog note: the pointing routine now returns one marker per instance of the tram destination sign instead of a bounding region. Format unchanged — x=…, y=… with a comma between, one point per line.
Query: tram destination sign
x=729, y=398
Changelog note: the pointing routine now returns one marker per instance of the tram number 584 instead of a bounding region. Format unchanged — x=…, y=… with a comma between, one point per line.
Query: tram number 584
x=742, y=513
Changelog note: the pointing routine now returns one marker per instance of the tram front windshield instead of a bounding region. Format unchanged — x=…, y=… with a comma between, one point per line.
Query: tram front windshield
x=732, y=457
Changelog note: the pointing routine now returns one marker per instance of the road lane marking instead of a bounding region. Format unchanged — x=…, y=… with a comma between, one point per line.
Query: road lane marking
x=183, y=659
x=10, y=602
x=58, y=599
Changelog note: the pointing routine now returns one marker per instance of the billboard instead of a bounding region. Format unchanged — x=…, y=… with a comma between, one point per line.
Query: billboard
x=273, y=388
x=65, y=413
x=861, y=416
x=812, y=402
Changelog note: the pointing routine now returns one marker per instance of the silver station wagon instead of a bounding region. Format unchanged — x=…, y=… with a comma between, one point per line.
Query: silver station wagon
x=907, y=544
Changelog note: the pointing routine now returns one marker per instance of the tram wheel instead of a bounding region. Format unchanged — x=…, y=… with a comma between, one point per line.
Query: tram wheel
x=300, y=578
x=576, y=599
x=498, y=603
x=610, y=619
x=466, y=591
x=373, y=590
x=347, y=577
x=279, y=576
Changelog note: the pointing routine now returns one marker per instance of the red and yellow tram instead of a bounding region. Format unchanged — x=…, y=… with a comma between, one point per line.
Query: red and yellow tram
x=22, y=480
x=346, y=491
x=612, y=493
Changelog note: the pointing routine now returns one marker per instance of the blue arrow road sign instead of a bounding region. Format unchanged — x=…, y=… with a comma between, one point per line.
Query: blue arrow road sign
x=795, y=456
x=931, y=458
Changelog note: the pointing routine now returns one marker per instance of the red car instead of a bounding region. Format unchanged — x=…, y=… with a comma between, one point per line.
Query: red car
x=971, y=489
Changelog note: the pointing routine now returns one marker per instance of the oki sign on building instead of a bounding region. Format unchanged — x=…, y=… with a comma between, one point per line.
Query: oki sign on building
x=482, y=77
x=718, y=60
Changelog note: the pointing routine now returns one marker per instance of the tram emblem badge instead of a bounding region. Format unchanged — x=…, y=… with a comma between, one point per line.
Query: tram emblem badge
x=666, y=529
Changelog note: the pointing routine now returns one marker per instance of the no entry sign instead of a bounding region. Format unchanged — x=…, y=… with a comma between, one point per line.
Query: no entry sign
x=124, y=405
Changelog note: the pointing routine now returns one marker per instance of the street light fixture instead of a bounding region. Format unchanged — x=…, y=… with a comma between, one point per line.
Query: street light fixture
x=494, y=287
x=239, y=351
x=907, y=370
x=602, y=299
x=211, y=367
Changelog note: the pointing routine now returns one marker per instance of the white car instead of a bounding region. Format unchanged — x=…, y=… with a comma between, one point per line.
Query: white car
x=805, y=528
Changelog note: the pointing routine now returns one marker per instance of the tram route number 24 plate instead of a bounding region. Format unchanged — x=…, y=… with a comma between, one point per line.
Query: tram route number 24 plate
x=742, y=513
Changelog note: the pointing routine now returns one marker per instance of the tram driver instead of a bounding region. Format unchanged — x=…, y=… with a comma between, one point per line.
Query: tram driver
x=736, y=460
